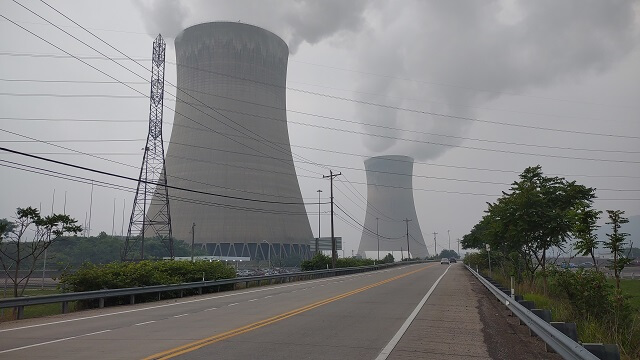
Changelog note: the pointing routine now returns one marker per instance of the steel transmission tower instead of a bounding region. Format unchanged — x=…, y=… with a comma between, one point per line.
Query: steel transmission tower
x=152, y=183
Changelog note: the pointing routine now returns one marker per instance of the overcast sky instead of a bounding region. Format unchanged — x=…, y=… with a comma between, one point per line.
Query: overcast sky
x=554, y=83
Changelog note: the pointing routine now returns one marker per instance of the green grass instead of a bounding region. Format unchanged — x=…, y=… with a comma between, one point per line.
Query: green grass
x=35, y=310
x=631, y=288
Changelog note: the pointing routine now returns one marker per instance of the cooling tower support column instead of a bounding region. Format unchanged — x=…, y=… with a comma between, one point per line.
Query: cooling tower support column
x=152, y=182
x=390, y=209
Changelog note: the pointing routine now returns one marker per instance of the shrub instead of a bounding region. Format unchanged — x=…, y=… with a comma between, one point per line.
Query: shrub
x=119, y=275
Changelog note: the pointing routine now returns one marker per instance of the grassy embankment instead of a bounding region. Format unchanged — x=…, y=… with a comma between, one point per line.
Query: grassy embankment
x=590, y=330
x=36, y=310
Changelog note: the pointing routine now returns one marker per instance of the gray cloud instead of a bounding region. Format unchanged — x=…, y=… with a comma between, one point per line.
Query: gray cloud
x=500, y=45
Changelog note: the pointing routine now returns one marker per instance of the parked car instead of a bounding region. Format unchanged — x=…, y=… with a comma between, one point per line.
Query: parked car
x=444, y=261
x=452, y=260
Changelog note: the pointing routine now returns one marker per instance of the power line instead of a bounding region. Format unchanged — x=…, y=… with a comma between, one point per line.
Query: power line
x=323, y=117
x=266, y=141
x=425, y=112
x=113, y=78
x=271, y=171
x=168, y=186
x=103, y=184
x=292, y=145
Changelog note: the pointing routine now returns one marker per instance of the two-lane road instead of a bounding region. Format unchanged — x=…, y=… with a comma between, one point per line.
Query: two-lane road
x=352, y=317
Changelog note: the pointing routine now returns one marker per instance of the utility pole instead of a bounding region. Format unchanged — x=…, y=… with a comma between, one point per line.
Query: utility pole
x=334, y=254
x=458, y=247
x=435, y=244
x=378, y=236
x=318, y=240
x=193, y=237
x=408, y=248
x=449, y=235
x=401, y=253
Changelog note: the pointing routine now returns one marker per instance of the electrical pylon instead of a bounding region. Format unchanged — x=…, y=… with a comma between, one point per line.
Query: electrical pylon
x=152, y=182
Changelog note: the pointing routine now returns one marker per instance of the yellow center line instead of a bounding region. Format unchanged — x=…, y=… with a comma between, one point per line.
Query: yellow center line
x=256, y=325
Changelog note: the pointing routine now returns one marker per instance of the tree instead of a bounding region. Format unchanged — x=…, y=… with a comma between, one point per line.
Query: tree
x=616, y=243
x=448, y=254
x=388, y=259
x=538, y=213
x=587, y=240
x=19, y=253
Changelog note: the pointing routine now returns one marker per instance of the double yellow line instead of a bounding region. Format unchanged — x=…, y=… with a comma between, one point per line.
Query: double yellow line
x=256, y=325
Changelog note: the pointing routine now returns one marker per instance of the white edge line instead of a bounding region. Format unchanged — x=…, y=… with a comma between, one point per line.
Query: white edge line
x=52, y=341
x=192, y=301
x=396, y=338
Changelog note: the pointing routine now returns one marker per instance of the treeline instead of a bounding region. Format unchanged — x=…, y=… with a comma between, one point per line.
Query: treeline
x=321, y=261
x=539, y=213
x=73, y=251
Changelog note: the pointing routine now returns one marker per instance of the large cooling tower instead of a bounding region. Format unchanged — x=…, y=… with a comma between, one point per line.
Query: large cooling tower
x=230, y=138
x=390, y=199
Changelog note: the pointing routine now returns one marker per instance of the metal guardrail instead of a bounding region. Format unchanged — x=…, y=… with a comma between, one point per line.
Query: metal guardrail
x=65, y=298
x=559, y=342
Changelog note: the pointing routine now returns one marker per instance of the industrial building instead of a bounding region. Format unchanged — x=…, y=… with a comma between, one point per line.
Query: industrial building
x=230, y=138
x=389, y=204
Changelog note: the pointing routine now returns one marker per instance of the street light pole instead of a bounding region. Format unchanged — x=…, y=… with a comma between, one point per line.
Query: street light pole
x=193, y=236
x=378, y=236
x=318, y=191
x=268, y=243
x=408, y=249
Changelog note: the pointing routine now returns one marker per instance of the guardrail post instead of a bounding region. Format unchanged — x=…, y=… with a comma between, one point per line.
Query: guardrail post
x=101, y=303
x=65, y=307
x=181, y=293
x=20, y=312
x=603, y=351
x=132, y=299
x=159, y=294
x=200, y=291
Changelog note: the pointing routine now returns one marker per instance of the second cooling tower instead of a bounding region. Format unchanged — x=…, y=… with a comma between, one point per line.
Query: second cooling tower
x=230, y=138
x=390, y=200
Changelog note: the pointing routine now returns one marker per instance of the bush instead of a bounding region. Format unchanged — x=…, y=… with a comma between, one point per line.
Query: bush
x=588, y=290
x=119, y=275
x=321, y=261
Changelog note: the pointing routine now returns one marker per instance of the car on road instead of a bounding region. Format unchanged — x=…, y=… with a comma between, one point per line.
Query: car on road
x=444, y=261
x=452, y=260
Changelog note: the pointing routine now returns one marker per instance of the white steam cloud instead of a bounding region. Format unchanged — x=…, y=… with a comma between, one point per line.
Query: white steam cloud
x=499, y=45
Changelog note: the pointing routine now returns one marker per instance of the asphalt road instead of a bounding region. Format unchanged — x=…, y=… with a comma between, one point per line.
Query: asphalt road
x=348, y=317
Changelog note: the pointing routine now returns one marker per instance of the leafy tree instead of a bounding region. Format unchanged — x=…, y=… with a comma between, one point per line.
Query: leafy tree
x=448, y=254
x=16, y=251
x=388, y=259
x=616, y=243
x=538, y=213
x=587, y=240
